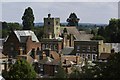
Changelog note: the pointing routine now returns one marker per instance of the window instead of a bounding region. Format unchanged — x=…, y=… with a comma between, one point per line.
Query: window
x=88, y=56
x=49, y=23
x=43, y=46
x=55, y=47
x=77, y=54
x=83, y=49
x=78, y=48
x=56, y=27
x=41, y=67
x=47, y=46
x=103, y=49
x=94, y=49
x=88, y=49
x=56, y=22
x=94, y=56
x=83, y=56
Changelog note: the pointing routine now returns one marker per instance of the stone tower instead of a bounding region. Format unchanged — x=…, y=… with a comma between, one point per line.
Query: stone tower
x=51, y=27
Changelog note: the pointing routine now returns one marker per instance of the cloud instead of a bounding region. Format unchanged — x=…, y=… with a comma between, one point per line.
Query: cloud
x=94, y=12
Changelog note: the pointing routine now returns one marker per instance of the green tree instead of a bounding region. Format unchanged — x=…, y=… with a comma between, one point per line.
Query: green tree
x=60, y=72
x=98, y=37
x=112, y=30
x=14, y=26
x=28, y=19
x=101, y=31
x=21, y=70
x=112, y=68
x=73, y=20
x=75, y=73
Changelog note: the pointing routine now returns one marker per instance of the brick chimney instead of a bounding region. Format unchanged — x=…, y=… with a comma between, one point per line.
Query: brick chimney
x=21, y=51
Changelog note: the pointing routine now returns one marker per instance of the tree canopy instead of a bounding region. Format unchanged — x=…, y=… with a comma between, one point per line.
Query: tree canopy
x=28, y=19
x=21, y=70
x=111, y=33
x=73, y=20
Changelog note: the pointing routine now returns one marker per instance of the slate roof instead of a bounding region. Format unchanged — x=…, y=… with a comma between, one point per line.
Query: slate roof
x=67, y=50
x=72, y=30
x=79, y=35
x=23, y=34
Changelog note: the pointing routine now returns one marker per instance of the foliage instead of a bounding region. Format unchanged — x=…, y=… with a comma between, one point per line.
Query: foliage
x=75, y=73
x=21, y=70
x=98, y=37
x=28, y=19
x=60, y=72
x=112, y=68
x=7, y=27
x=39, y=32
x=111, y=33
x=72, y=20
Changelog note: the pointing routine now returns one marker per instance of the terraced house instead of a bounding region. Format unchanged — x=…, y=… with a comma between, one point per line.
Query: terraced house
x=91, y=50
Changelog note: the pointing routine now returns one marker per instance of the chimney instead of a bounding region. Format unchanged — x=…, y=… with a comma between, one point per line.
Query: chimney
x=50, y=35
x=21, y=51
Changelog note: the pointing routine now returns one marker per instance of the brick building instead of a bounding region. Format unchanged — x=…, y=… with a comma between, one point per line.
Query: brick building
x=52, y=44
x=20, y=42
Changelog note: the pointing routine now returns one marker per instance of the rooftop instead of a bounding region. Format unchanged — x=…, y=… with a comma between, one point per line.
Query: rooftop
x=23, y=34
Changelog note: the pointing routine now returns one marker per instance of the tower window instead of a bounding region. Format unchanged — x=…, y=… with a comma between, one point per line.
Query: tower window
x=48, y=22
x=56, y=22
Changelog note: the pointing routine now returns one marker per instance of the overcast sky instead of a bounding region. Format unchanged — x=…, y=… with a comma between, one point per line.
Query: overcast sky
x=88, y=12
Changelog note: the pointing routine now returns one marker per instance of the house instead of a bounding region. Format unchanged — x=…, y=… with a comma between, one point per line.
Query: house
x=21, y=43
x=71, y=33
x=3, y=63
x=50, y=61
x=52, y=44
x=91, y=49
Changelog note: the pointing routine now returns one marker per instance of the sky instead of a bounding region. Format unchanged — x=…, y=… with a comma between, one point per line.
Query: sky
x=88, y=12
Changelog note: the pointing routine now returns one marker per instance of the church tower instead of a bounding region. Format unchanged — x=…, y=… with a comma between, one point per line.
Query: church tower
x=51, y=27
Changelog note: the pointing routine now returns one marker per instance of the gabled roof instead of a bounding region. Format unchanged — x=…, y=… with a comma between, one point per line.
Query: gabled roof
x=67, y=50
x=23, y=34
x=72, y=30
x=79, y=35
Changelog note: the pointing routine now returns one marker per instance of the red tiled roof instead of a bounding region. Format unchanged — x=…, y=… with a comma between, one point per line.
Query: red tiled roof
x=104, y=55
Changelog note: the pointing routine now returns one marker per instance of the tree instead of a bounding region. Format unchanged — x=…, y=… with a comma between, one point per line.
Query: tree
x=112, y=31
x=60, y=72
x=101, y=31
x=14, y=26
x=21, y=70
x=98, y=37
x=28, y=19
x=112, y=67
x=75, y=73
x=73, y=20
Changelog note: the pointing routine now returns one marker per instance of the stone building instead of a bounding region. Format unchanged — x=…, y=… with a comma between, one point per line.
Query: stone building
x=91, y=49
x=51, y=27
